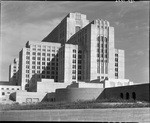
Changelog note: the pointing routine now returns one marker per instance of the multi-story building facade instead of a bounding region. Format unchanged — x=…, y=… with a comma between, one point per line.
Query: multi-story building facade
x=75, y=50
x=71, y=24
x=68, y=63
x=13, y=72
x=36, y=61
x=96, y=41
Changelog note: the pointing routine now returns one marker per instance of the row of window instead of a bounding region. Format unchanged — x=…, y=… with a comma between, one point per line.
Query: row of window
x=10, y=89
x=102, y=55
x=38, y=71
x=38, y=58
x=98, y=60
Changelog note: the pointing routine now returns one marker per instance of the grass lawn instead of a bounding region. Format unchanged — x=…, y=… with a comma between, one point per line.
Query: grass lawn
x=105, y=103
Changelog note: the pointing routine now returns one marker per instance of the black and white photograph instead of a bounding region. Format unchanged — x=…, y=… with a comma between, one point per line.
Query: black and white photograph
x=74, y=61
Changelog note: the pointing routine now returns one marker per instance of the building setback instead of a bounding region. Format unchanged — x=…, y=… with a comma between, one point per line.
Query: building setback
x=100, y=58
x=74, y=51
x=13, y=72
x=38, y=60
x=72, y=23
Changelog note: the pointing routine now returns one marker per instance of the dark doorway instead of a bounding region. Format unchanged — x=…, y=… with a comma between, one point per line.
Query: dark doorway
x=121, y=95
x=134, y=95
x=127, y=96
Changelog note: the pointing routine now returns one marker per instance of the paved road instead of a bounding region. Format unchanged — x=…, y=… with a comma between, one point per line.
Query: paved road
x=103, y=115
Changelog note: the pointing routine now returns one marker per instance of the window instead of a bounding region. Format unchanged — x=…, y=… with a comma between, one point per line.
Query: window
x=48, y=77
x=33, y=62
x=53, y=64
x=80, y=51
x=38, y=54
x=48, y=72
x=116, y=64
x=17, y=88
x=74, y=72
x=33, y=71
x=7, y=88
x=12, y=88
x=38, y=63
x=2, y=88
x=33, y=53
x=33, y=58
x=8, y=92
x=53, y=55
x=116, y=59
x=27, y=76
x=134, y=95
x=43, y=49
x=38, y=67
x=43, y=63
x=3, y=93
x=79, y=72
x=116, y=74
x=38, y=58
x=80, y=56
x=33, y=67
x=27, y=57
x=43, y=59
x=79, y=61
x=79, y=77
x=74, y=61
x=74, y=51
x=28, y=53
x=43, y=76
x=53, y=72
x=74, y=66
x=74, y=55
x=98, y=77
x=79, y=67
x=43, y=72
x=77, y=28
x=27, y=66
x=48, y=59
x=48, y=54
x=73, y=77
x=27, y=71
x=43, y=54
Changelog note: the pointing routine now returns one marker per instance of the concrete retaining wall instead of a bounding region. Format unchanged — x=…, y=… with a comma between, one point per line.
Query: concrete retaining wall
x=75, y=94
x=137, y=92
x=141, y=92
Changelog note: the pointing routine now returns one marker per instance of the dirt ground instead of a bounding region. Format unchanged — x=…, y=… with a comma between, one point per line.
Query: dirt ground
x=102, y=115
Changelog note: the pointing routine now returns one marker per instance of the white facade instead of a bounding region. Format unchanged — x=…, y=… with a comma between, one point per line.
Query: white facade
x=38, y=60
x=96, y=41
x=68, y=63
x=117, y=82
x=13, y=72
x=72, y=23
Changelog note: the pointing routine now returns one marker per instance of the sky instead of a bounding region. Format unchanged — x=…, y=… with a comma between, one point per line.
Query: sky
x=22, y=21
